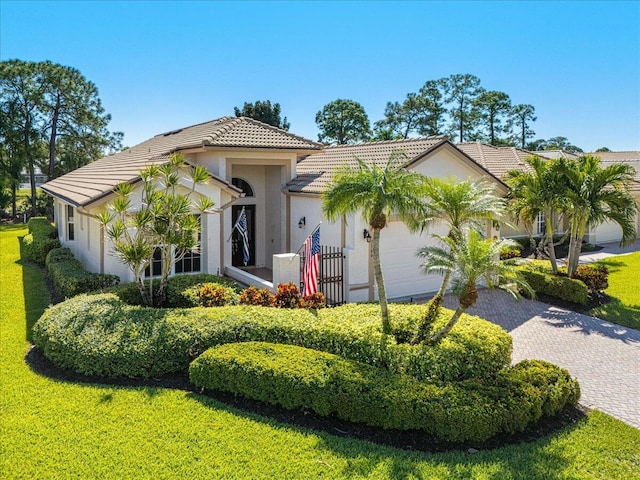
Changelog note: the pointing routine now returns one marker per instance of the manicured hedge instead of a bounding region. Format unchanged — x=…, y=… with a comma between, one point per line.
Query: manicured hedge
x=69, y=276
x=542, y=281
x=40, y=240
x=297, y=378
x=100, y=335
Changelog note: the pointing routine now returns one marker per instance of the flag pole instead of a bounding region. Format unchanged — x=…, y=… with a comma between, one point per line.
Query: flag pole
x=235, y=225
x=305, y=240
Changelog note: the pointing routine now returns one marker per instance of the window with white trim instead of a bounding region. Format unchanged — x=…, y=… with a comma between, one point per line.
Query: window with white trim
x=540, y=223
x=70, y=225
x=190, y=263
x=192, y=259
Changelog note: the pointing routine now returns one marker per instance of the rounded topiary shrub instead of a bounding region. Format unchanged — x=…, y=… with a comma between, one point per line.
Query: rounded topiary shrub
x=101, y=335
x=300, y=378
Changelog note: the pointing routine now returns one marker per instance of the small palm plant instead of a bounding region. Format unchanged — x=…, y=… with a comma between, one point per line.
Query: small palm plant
x=469, y=258
x=460, y=205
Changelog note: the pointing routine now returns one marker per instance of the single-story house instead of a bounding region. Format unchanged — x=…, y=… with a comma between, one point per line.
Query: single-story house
x=607, y=231
x=278, y=178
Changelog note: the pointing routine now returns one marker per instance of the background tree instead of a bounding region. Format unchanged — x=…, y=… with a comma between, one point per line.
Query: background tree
x=381, y=134
x=46, y=104
x=555, y=143
x=165, y=219
x=21, y=91
x=519, y=123
x=73, y=115
x=404, y=118
x=434, y=93
x=468, y=259
x=343, y=121
x=264, y=112
x=603, y=149
x=376, y=192
x=490, y=108
x=463, y=90
x=12, y=159
x=537, y=191
x=594, y=195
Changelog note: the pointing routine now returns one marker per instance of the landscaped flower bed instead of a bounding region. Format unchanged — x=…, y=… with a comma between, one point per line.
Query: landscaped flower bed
x=461, y=389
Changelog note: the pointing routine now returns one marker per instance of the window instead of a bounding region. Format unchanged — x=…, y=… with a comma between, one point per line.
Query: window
x=156, y=264
x=70, y=230
x=242, y=185
x=540, y=222
x=191, y=260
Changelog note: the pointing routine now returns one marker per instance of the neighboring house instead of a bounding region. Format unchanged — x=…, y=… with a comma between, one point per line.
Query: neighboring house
x=25, y=181
x=500, y=159
x=278, y=178
x=609, y=231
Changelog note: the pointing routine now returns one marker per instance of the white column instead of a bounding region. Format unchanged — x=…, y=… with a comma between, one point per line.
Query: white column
x=286, y=268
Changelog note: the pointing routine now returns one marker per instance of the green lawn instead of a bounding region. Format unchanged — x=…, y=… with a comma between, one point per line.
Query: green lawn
x=624, y=308
x=55, y=429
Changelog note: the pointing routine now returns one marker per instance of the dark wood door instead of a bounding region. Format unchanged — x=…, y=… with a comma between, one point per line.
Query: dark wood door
x=237, y=256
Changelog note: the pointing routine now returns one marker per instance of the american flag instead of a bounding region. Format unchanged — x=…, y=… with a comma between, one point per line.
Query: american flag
x=241, y=225
x=311, y=258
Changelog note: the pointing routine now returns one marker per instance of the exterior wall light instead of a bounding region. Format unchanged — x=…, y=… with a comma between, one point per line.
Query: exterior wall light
x=366, y=235
x=302, y=222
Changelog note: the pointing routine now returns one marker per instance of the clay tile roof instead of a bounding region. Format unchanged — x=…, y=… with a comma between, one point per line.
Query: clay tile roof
x=552, y=154
x=630, y=158
x=315, y=172
x=97, y=179
x=497, y=160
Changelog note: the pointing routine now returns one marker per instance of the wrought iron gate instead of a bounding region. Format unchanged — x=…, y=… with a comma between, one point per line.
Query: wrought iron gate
x=330, y=274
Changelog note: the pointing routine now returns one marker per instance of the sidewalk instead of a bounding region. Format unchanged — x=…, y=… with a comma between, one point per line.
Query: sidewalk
x=609, y=250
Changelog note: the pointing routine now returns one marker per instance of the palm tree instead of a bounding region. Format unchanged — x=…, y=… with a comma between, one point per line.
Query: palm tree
x=469, y=258
x=534, y=192
x=376, y=192
x=594, y=195
x=461, y=204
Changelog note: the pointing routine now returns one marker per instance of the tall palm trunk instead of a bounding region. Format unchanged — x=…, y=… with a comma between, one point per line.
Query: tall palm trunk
x=382, y=293
x=575, y=245
x=445, y=283
x=550, y=246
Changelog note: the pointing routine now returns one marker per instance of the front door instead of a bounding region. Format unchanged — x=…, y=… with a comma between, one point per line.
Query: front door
x=237, y=256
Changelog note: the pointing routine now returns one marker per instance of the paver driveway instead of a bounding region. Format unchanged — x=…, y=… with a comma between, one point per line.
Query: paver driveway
x=604, y=357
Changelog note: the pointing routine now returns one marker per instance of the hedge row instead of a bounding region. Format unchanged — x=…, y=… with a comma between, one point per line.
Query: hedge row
x=41, y=239
x=297, y=378
x=100, y=335
x=542, y=281
x=69, y=276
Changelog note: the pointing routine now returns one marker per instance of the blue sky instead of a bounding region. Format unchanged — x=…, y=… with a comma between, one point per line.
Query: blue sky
x=161, y=65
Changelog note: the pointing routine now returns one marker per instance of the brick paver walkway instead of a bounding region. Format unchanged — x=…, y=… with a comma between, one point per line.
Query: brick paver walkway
x=604, y=357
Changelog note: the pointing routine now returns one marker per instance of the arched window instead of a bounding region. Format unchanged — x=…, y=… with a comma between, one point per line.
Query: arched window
x=242, y=185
